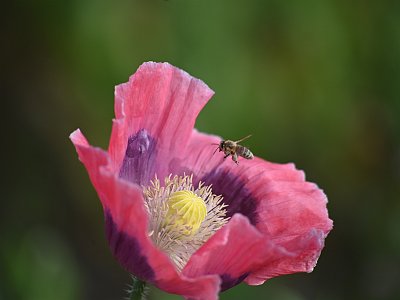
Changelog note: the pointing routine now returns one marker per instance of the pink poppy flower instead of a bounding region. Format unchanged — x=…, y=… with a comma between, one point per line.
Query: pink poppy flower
x=186, y=220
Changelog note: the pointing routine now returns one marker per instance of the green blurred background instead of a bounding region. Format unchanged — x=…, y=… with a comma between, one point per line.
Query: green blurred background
x=316, y=83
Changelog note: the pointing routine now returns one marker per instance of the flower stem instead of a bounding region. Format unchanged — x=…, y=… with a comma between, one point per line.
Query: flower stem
x=137, y=290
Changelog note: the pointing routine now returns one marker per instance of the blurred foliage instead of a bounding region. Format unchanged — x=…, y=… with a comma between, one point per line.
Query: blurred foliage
x=315, y=82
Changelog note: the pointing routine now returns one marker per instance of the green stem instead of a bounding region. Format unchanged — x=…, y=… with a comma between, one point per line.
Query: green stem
x=137, y=290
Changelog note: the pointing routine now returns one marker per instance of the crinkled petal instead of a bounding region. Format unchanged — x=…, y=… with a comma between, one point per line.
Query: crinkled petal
x=303, y=253
x=294, y=213
x=233, y=253
x=126, y=227
x=154, y=115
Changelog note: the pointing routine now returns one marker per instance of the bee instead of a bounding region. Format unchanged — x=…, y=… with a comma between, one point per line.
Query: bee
x=233, y=148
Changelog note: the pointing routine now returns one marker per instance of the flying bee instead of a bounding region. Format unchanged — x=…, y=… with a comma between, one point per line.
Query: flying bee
x=233, y=148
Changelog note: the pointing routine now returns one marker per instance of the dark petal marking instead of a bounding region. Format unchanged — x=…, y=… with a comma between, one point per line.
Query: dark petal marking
x=229, y=282
x=238, y=198
x=139, y=161
x=128, y=251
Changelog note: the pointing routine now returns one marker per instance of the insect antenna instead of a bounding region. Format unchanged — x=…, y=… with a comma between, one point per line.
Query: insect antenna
x=215, y=149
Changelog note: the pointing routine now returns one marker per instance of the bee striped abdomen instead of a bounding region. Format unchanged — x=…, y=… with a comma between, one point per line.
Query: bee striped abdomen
x=244, y=152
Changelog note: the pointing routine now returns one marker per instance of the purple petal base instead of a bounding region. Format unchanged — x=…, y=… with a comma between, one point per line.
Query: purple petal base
x=229, y=282
x=139, y=162
x=238, y=198
x=128, y=251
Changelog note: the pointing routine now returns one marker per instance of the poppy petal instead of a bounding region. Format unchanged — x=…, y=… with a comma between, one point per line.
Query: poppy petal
x=156, y=111
x=294, y=213
x=303, y=253
x=126, y=228
x=233, y=253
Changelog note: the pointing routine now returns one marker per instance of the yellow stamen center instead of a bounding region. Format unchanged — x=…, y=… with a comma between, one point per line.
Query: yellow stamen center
x=186, y=212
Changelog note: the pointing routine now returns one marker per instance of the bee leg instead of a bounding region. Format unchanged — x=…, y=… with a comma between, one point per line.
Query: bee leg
x=226, y=156
x=235, y=158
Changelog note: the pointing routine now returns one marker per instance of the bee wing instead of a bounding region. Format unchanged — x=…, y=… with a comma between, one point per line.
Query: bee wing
x=242, y=139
